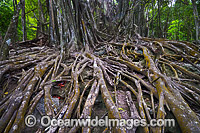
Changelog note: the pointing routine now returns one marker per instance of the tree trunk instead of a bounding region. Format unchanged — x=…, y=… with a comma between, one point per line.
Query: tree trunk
x=23, y=20
x=51, y=20
x=158, y=20
x=196, y=18
x=10, y=37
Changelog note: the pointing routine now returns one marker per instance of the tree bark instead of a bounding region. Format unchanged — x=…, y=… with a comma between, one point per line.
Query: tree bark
x=23, y=20
x=10, y=37
x=51, y=20
x=196, y=18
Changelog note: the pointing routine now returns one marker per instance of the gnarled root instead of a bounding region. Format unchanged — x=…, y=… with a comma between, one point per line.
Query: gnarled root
x=149, y=80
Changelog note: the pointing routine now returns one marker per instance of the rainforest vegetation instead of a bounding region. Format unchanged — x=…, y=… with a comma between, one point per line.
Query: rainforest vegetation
x=78, y=59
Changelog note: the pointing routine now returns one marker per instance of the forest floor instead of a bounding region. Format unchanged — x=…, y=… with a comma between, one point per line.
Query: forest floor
x=135, y=78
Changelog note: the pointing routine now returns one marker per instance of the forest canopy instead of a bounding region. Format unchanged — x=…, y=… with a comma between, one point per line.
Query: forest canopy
x=174, y=19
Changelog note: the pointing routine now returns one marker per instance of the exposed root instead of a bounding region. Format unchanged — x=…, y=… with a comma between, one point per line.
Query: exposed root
x=151, y=73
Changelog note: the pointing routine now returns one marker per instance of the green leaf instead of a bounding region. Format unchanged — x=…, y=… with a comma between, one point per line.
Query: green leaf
x=53, y=80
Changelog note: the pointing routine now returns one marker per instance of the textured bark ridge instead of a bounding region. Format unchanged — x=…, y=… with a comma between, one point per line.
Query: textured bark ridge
x=139, y=78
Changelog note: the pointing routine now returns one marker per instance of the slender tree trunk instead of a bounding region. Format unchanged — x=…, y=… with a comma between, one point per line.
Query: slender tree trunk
x=23, y=20
x=139, y=18
x=165, y=27
x=1, y=39
x=146, y=23
x=14, y=4
x=60, y=24
x=41, y=18
x=56, y=30
x=51, y=20
x=152, y=32
x=196, y=18
x=159, y=21
x=10, y=37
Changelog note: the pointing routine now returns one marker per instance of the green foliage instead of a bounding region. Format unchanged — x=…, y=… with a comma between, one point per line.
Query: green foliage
x=177, y=20
x=181, y=25
x=175, y=30
x=130, y=3
x=6, y=14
